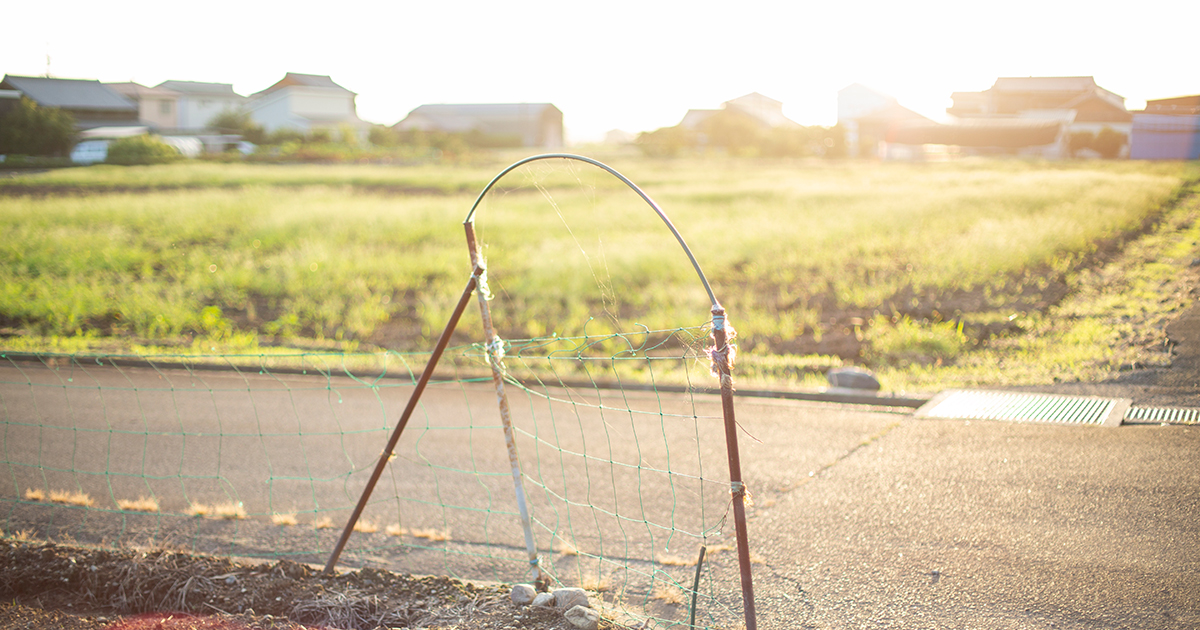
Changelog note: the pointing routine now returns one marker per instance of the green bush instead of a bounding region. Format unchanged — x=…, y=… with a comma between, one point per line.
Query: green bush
x=143, y=149
x=907, y=342
x=32, y=130
x=1108, y=142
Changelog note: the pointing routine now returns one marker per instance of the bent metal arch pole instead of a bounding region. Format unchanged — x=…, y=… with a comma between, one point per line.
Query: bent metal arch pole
x=470, y=220
x=721, y=354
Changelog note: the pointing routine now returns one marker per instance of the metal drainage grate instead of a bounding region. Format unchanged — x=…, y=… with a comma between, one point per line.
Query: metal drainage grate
x=1162, y=415
x=985, y=405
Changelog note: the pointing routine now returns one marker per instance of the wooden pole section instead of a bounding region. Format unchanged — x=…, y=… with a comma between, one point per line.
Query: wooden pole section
x=494, y=347
x=408, y=411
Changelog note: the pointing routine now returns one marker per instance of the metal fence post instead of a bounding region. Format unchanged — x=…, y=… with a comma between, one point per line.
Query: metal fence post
x=442, y=342
x=722, y=356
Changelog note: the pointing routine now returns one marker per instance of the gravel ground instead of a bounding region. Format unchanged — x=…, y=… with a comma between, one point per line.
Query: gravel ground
x=63, y=587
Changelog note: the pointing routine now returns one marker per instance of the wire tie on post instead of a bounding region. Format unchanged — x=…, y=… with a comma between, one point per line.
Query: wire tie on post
x=496, y=349
x=738, y=488
x=481, y=284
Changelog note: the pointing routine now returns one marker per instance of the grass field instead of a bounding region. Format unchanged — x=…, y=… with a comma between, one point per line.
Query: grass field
x=933, y=274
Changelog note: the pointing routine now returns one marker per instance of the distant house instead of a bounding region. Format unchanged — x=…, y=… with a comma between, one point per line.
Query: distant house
x=305, y=102
x=200, y=102
x=514, y=124
x=158, y=107
x=1077, y=104
x=766, y=111
x=1168, y=129
x=869, y=118
x=90, y=102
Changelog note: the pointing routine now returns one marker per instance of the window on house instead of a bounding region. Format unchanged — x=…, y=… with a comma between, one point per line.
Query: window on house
x=164, y=107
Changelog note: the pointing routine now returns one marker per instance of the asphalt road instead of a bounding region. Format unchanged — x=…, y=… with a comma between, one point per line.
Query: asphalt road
x=863, y=517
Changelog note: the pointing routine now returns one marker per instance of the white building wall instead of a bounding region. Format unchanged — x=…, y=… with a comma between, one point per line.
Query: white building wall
x=150, y=112
x=196, y=110
x=321, y=103
x=272, y=112
x=297, y=106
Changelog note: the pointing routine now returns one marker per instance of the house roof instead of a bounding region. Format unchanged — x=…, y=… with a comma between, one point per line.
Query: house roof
x=137, y=91
x=1012, y=95
x=1044, y=84
x=892, y=113
x=69, y=93
x=1080, y=85
x=465, y=117
x=979, y=132
x=765, y=109
x=1182, y=105
x=303, y=80
x=199, y=88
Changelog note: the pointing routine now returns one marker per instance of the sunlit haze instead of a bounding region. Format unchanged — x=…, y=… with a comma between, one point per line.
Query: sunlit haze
x=623, y=64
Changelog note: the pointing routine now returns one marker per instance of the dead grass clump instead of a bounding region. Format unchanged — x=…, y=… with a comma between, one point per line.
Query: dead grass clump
x=366, y=527
x=285, y=519
x=142, y=504
x=435, y=535
x=71, y=498
x=395, y=530
x=24, y=535
x=595, y=584
x=322, y=523
x=225, y=511
x=565, y=547
x=35, y=495
x=668, y=595
x=674, y=561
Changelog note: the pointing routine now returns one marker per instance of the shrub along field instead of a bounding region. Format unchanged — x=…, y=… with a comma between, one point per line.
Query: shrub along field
x=932, y=274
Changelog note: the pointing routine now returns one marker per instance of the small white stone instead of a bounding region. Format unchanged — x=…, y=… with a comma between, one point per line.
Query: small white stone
x=583, y=618
x=544, y=600
x=568, y=598
x=523, y=594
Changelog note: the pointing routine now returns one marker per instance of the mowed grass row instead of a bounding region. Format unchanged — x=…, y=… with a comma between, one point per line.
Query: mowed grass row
x=892, y=264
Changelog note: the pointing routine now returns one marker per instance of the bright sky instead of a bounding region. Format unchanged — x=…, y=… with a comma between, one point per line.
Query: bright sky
x=621, y=64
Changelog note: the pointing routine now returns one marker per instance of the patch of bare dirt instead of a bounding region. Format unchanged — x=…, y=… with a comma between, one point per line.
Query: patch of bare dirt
x=45, y=586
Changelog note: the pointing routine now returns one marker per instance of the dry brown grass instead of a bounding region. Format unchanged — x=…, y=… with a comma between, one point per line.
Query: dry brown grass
x=35, y=495
x=225, y=511
x=322, y=523
x=565, y=547
x=71, y=498
x=24, y=535
x=395, y=530
x=142, y=504
x=674, y=561
x=365, y=526
x=595, y=584
x=436, y=535
x=669, y=595
x=284, y=519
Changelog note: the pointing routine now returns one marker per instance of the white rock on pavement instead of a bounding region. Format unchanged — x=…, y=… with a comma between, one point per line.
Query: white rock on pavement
x=544, y=600
x=583, y=618
x=522, y=594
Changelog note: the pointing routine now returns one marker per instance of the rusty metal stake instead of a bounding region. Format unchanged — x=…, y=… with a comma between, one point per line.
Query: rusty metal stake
x=494, y=349
x=738, y=489
x=443, y=341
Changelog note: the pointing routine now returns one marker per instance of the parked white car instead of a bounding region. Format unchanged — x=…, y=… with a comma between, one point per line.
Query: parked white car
x=90, y=152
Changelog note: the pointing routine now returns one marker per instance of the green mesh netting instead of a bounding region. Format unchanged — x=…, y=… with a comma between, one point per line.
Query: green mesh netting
x=622, y=456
